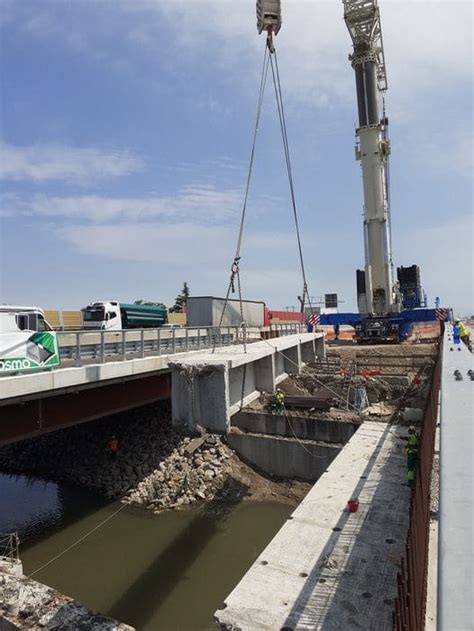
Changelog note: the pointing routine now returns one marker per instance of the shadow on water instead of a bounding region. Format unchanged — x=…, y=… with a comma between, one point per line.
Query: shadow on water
x=37, y=509
x=36, y=495
x=168, y=568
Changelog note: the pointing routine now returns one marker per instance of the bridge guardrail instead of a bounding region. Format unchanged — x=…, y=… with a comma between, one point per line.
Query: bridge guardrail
x=83, y=345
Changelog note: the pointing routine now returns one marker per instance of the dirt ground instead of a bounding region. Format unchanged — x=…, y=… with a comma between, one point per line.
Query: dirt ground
x=387, y=399
x=423, y=330
x=247, y=482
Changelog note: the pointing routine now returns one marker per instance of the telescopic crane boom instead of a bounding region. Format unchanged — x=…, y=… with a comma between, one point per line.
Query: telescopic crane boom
x=387, y=308
x=372, y=149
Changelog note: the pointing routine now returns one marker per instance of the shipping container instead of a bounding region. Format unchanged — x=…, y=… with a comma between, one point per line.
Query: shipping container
x=207, y=311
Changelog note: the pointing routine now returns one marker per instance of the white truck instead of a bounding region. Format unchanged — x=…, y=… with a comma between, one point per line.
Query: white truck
x=27, y=341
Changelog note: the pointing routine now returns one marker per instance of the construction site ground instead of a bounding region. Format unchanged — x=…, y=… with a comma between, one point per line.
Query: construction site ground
x=395, y=378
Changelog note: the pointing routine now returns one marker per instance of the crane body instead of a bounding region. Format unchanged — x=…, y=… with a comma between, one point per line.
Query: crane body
x=388, y=308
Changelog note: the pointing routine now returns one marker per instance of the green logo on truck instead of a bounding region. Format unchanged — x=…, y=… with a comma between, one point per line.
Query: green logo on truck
x=39, y=351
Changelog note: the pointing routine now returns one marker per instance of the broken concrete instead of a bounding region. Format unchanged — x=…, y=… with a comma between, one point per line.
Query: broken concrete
x=27, y=604
x=208, y=388
x=329, y=431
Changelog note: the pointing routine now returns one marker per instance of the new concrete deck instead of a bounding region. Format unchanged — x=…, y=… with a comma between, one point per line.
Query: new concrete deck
x=329, y=569
x=456, y=549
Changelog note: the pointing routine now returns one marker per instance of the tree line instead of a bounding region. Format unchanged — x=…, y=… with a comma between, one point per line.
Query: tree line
x=179, y=303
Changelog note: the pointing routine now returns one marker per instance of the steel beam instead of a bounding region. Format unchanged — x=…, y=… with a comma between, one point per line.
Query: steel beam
x=41, y=415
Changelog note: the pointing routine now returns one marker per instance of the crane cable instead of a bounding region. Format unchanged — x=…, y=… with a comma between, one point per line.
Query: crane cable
x=286, y=147
x=235, y=267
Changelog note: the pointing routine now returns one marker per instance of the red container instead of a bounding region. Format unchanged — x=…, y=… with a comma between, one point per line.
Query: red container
x=353, y=506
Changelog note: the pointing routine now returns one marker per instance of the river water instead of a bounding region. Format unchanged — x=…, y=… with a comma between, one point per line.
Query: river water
x=165, y=572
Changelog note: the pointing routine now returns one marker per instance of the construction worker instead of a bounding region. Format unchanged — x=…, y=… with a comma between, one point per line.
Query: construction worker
x=463, y=332
x=279, y=401
x=337, y=328
x=114, y=445
x=412, y=454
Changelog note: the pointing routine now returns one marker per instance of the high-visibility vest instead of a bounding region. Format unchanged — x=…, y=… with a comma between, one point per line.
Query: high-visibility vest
x=462, y=330
x=412, y=443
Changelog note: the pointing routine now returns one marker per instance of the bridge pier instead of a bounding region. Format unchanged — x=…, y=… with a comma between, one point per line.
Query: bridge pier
x=208, y=388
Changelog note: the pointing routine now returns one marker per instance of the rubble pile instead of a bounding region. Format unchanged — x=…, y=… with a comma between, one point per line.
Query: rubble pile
x=26, y=604
x=186, y=476
x=154, y=466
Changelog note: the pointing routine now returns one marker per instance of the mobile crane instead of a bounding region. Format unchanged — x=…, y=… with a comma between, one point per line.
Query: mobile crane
x=387, y=309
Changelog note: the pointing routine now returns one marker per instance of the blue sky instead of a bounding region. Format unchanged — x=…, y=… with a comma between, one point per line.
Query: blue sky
x=125, y=136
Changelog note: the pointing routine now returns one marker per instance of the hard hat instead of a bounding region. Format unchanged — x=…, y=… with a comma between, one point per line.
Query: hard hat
x=412, y=428
x=457, y=320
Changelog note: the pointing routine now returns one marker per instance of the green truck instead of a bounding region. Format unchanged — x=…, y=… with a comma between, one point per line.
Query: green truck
x=115, y=316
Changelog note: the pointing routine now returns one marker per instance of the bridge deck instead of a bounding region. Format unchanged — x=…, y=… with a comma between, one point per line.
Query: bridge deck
x=456, y=552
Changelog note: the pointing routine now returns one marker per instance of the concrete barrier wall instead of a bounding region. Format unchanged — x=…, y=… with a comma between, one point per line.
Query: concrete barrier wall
x=284, y=457
x=303, y=427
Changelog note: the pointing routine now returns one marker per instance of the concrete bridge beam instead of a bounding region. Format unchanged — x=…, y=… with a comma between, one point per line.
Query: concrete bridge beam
x=208, y=388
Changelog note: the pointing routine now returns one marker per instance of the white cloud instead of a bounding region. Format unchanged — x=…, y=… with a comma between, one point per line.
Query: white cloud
x=179, y=245
x=428, y=44
x=197, y=202
x=40, y=163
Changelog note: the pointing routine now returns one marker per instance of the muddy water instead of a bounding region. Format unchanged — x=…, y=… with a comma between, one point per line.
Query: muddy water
x=169, y=571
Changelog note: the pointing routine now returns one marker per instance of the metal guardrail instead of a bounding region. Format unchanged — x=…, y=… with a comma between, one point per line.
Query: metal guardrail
x=409, y=614
x=127, y=343
x=9, y=545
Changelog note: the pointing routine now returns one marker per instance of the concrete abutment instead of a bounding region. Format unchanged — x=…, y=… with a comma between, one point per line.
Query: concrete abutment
x=208, y=388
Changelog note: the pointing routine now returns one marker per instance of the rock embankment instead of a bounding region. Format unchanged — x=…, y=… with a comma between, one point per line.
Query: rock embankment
x=153, y=466
x=195, y=470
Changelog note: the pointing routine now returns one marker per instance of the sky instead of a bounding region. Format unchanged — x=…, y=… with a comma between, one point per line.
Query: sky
x=125, y=136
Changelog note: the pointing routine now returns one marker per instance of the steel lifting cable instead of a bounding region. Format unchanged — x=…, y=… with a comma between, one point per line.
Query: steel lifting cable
x=286, y=148
x=235, y=267
x=78, y=541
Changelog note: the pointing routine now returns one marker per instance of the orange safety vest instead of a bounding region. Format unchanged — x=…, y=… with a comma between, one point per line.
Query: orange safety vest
x=114, y=444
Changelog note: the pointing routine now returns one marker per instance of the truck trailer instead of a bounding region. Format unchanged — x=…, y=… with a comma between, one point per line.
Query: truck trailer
x=115, y=316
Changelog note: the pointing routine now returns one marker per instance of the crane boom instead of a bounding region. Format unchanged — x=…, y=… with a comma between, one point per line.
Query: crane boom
x=377, y=295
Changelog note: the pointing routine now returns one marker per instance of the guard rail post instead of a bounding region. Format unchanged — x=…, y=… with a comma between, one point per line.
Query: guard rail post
x=174, y=341
x=187, y=339
x=78, y=349
x=142, y=340
x=102, y=347
x=199, y=339
x=124, y=348
x=158, y=339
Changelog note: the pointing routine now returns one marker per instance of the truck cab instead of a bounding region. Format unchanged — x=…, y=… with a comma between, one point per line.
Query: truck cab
x=104, y=316
x=27, y=341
